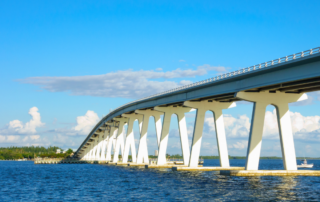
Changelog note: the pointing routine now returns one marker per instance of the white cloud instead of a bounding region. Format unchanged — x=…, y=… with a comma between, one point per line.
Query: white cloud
x=235, y=127
x=26, y=134
x=28, y=128
x=303, y=127
x=218, y=69
x=126, y=84
x=86, y=123
x=12, y=138
x=34, y=137
x=2, y=138
x=239, y=145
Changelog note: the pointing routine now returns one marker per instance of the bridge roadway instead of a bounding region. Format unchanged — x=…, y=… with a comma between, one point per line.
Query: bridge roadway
x=277, y=82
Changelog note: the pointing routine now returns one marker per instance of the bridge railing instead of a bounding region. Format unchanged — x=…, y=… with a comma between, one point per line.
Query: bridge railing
x=237, y=72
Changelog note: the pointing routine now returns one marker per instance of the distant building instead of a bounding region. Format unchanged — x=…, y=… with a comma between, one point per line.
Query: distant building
x=156, y=152
x=58, y=151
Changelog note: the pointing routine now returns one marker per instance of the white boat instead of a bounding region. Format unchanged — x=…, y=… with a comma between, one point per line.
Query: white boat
x=305, y=165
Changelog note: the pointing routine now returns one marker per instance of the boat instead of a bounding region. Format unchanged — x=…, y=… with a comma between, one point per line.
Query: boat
x=305, y=165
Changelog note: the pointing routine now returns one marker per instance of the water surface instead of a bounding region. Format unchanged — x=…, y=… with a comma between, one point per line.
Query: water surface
x=24, y=181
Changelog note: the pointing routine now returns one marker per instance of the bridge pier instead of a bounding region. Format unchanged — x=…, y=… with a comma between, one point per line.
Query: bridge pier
x=168, y=111
x=91, y=150
x=143, y=156
x=98, y=148
x=130, y=137
x=111, y=142
x=94, y=148
x=202, y=107
x=280, y=100
x=86, y=157
x=120, y=140
x=105, y=143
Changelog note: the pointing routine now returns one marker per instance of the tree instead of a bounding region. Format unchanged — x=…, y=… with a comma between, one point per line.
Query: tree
x=69, y=151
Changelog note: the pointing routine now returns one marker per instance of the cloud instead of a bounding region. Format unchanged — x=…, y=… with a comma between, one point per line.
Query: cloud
x=235, y=127
x=17, y=126
x=12, y=138
x=86, y=123
x=26, y=134
x=218, y=69
x=303, y=127
x=125, y=84
x=181, y=60
x=239, y=145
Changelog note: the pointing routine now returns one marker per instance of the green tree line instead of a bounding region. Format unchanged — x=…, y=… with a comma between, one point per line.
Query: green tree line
x=7, y=153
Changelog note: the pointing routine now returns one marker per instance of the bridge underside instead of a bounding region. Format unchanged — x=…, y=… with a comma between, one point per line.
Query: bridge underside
x=279, y=85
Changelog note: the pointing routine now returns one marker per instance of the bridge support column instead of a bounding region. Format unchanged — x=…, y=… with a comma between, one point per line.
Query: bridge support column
x=120, y=139
x=91, y=150
x=82, y=153
x=216, y=107
x=111, y=142
x=86, y=157
x=104, y=144
x=143, y=156
x=98, y=147
x=280, y=100
x=85, y=154
x=168, y=111
x=130, y=137
x=94, y=150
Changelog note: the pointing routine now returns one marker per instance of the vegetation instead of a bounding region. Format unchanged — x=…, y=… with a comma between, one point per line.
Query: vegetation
x=31, y=152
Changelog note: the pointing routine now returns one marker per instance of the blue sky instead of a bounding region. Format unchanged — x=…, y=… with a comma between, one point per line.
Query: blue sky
x=66, y=58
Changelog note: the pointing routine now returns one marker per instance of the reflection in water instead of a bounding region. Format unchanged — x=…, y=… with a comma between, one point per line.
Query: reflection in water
x=273, y=187
x=286, y=188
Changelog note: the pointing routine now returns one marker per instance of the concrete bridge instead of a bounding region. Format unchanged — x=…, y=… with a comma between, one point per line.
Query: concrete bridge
x=277, y=82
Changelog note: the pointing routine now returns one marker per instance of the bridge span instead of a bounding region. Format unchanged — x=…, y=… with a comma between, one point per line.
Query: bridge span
x=277, y=82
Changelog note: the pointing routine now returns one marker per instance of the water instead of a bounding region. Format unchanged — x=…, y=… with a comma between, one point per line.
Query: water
x=24, y=181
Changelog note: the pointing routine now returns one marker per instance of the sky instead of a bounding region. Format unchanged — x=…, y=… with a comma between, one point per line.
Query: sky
x=66, y=64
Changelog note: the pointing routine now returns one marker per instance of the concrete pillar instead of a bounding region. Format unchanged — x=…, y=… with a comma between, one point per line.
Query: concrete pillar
x=280, y=100
x=111, y=142
x=143, y=156
x=97, y=151
x=168, y=111
x=95, y=148
x=91, y=149
x=105, y=143
x=202, y=107
x=86, y=152
x=120, y=139
x=130, y=137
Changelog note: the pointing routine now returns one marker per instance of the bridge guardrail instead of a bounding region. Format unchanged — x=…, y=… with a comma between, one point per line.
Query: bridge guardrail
x=234, y=73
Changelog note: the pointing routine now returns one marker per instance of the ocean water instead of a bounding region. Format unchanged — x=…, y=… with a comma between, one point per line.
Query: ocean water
x=24, y=181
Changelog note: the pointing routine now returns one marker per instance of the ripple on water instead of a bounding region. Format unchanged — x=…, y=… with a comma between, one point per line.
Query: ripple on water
x=24, y=181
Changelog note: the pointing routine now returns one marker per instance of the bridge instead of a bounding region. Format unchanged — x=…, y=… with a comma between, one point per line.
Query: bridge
x=277, y=82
